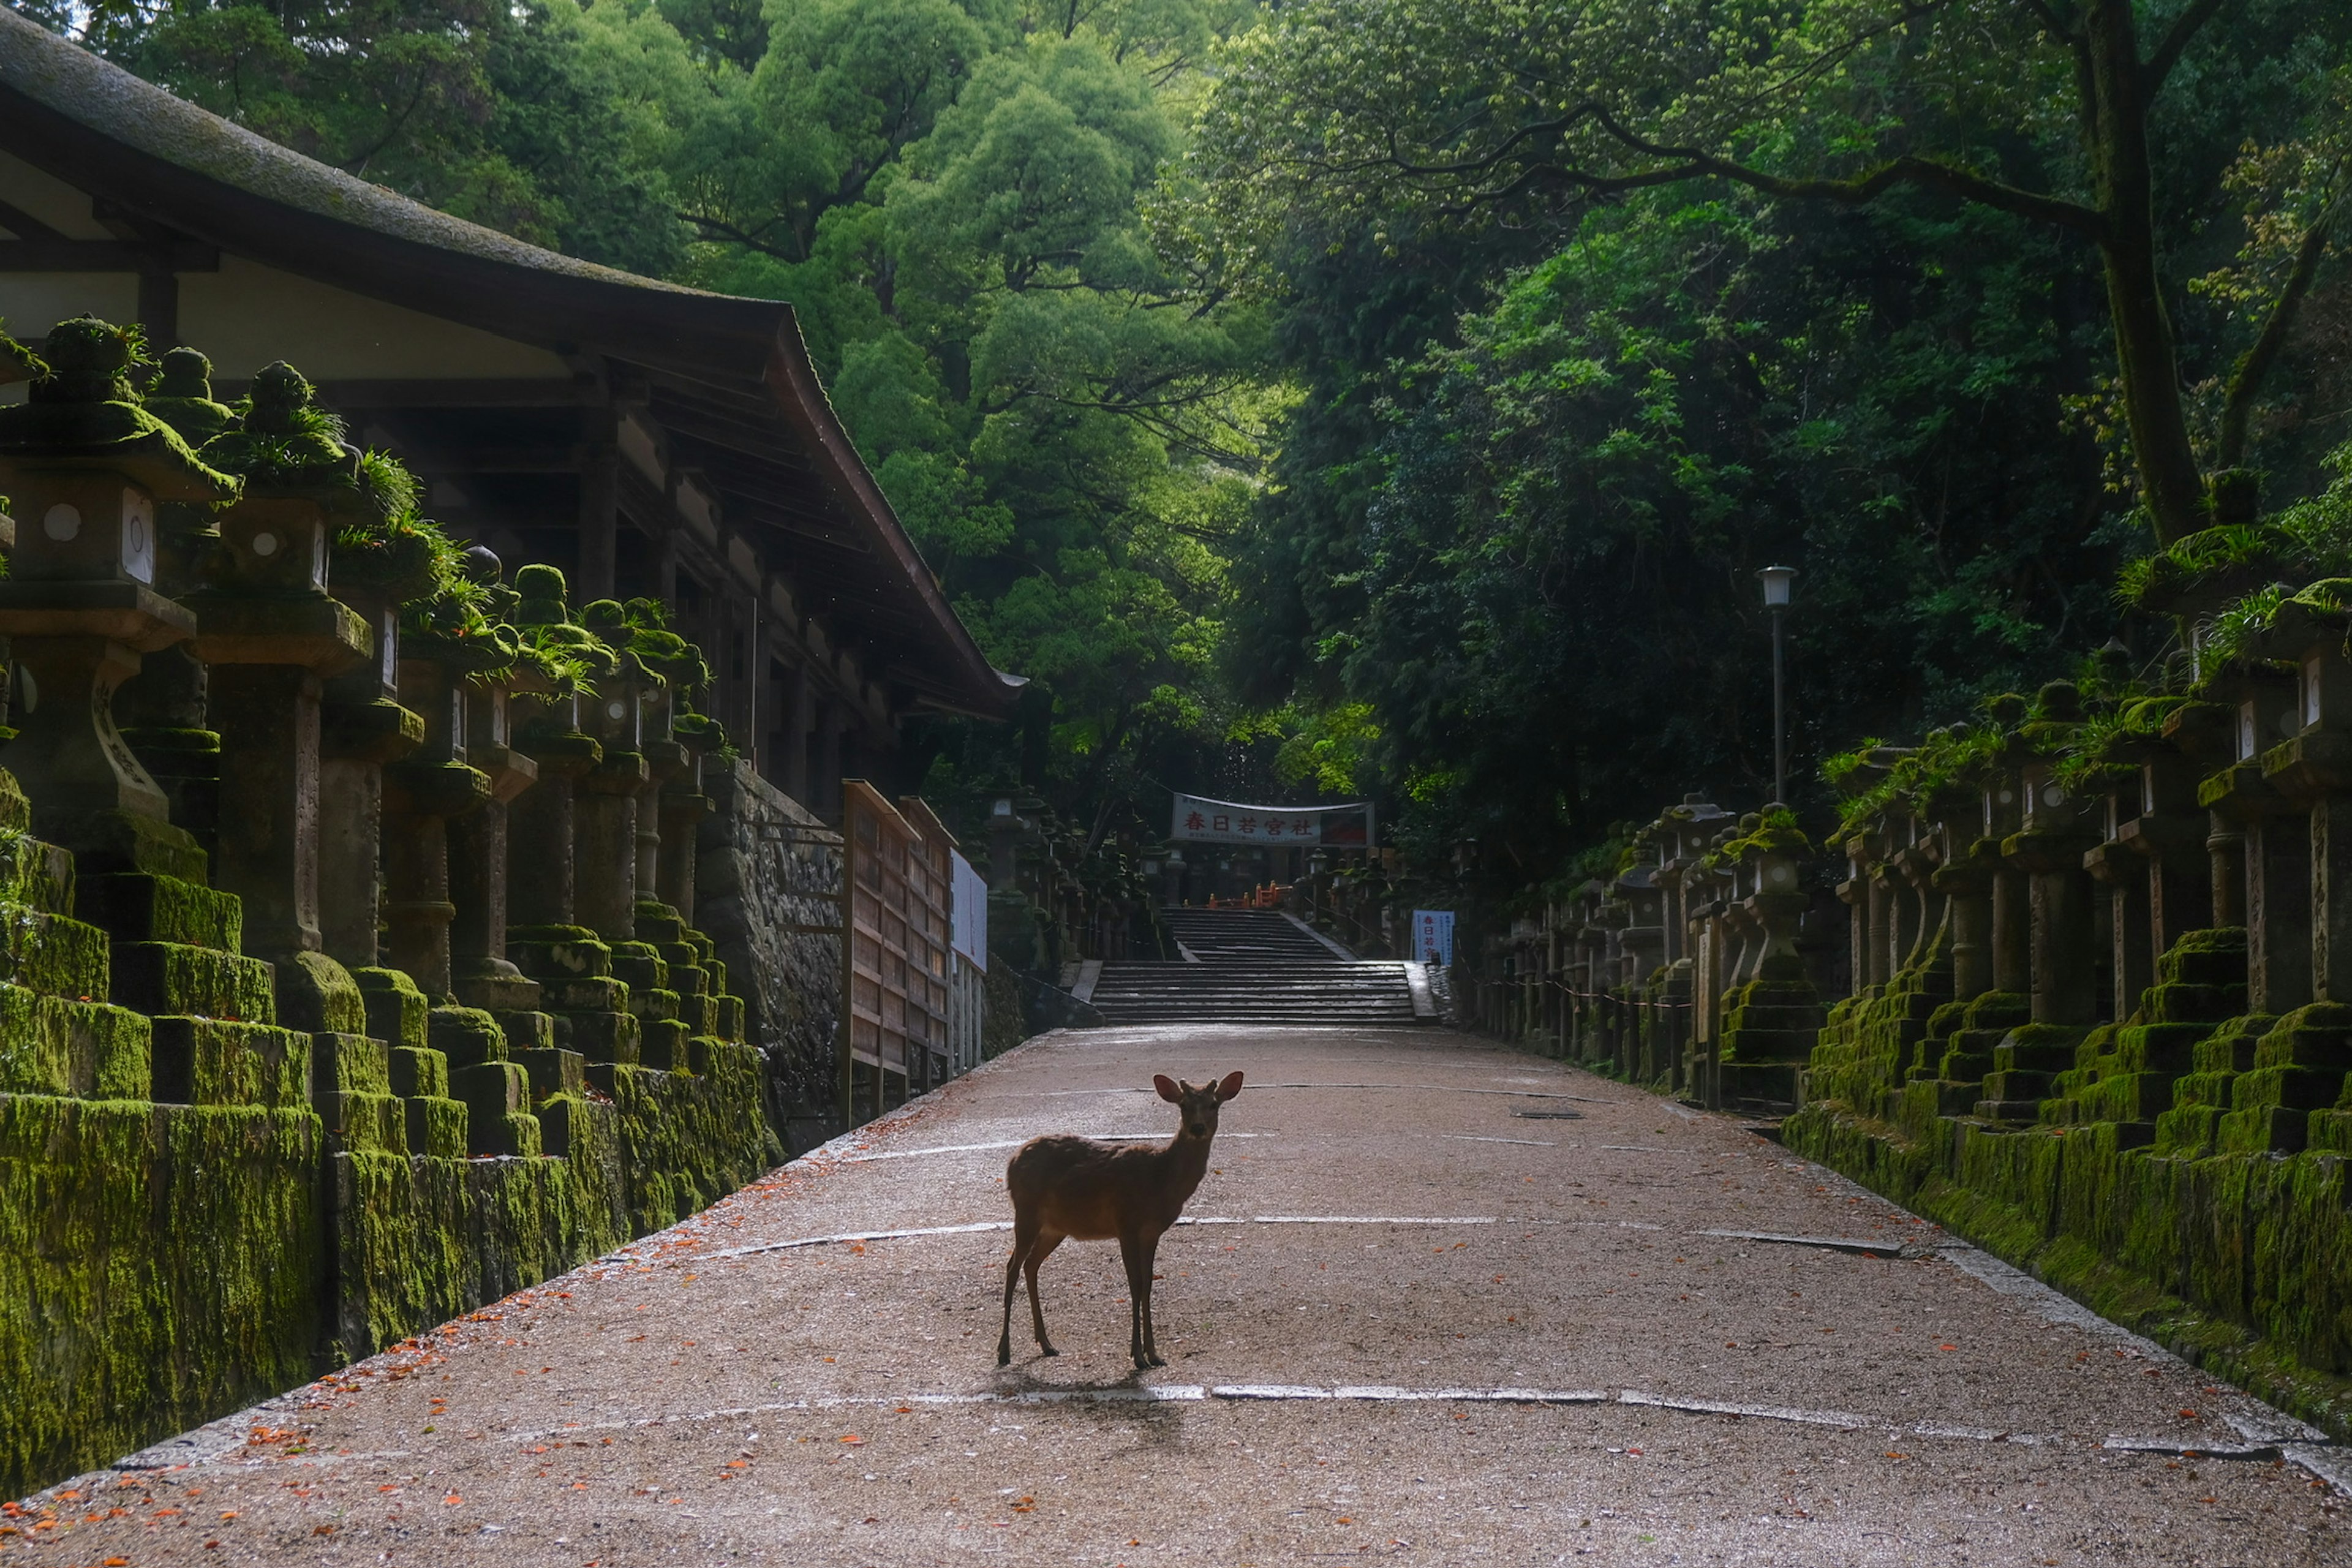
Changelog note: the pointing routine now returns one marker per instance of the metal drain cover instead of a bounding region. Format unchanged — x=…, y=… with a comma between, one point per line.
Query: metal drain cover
x=1550, y=1115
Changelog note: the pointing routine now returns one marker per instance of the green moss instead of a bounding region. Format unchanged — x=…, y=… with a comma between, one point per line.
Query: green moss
x=2242, y=1263
x=364, y=1123
x=35, y=873
x=689, y=1141
x=169, y=977
x=52, y=1046
x=315, y=993
x=52, y=954
x=207, y=1061
x=397, y=1012
x=437, y=1126
x=467, y=1036
x=136, y=906
x=349, y=1064
x=158, y=1267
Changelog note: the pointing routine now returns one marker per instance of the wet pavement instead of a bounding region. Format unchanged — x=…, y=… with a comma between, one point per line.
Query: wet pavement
x=1441, y=1303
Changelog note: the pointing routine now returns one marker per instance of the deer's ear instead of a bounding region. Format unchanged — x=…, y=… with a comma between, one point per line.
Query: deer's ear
x=1167, y=1086
x=1230, y=1086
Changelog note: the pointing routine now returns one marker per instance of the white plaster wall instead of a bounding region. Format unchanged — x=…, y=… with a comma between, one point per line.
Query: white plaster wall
x=247, y=315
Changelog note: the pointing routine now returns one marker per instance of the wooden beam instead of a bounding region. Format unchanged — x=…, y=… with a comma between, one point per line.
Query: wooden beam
x=486, y=392
x=25, y=226
x=524, y=460
x=104, y=256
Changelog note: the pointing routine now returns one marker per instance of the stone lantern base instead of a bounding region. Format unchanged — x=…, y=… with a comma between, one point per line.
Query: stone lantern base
x=1770, y=1027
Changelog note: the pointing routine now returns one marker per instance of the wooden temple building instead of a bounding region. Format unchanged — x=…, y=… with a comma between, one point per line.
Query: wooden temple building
x=649, y=440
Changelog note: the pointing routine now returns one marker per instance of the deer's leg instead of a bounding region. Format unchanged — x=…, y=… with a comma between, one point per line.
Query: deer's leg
x=1139, y=1284
x=1151, y=1249
x=1024, y=1236
x=1042, y=1249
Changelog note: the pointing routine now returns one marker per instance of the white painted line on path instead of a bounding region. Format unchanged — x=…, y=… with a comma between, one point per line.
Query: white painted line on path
x=2329, y=1464
x=1382, y=1394
x=1396, y=1088
x=1862, y=1245
x=1762, y=1412
x=1016, y=1144
x=987, y=1224
x=1472, y=1138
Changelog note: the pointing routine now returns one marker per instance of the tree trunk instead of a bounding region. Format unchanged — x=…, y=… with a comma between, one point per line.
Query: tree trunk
x=2169, y=482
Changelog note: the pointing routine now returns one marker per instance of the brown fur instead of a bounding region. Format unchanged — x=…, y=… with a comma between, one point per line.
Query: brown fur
x=1068, y=1188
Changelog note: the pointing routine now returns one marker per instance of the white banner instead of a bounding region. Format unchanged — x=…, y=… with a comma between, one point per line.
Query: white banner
x=1433, y=936
x=968, y=914
x=1199, y=820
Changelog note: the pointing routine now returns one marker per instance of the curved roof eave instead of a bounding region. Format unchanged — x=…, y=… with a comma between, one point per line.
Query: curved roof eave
x=86, y=120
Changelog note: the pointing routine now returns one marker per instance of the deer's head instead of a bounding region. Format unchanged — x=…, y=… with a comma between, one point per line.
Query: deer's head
x=1197, y=1103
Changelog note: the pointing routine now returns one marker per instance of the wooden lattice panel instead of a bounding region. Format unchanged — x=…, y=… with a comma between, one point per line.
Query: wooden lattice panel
x=899, y=893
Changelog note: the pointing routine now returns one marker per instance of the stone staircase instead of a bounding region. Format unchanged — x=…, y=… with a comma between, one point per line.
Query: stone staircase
x=1254, y=967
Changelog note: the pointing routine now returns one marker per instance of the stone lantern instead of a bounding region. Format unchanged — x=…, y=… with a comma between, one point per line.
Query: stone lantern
x=269, y=632
x=481, y=975
x=440, y=651
x=2274, y=828
x=606, y=814
x=2056, y=830
x=161, y=710
x=683, y=807
x=86, y=469
x=1771, y=1022
x=2313, y=768
x=550, y=722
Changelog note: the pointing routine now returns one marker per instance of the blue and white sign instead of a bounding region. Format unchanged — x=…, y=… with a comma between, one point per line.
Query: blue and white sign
x=968, y=915
x=1433, y=936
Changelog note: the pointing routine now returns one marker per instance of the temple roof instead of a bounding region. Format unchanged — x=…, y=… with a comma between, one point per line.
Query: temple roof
x=730, y=377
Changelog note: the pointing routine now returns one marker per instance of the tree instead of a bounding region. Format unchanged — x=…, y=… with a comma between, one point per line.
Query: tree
x=1465, y=108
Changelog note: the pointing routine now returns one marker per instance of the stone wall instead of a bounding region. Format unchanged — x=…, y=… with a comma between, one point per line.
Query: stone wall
x=2072, y=987
x=770, y=879
x=349, y=976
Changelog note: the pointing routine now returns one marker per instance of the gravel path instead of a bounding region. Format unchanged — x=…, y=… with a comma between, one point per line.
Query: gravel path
x=1443, y=1303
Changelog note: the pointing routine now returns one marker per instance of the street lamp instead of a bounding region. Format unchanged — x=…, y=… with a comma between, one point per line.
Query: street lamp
x=1775, y=581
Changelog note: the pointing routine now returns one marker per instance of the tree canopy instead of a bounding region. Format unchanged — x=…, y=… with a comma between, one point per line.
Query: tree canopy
x=1398, y=395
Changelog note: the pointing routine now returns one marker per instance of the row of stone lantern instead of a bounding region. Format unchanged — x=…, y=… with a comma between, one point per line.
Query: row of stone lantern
x=1684, y=968
x=448, y=809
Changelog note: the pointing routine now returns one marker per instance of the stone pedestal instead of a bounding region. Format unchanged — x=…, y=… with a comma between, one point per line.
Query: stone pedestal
x=268, y=643
x=362, y=727
x=2125, y=878
x=481, y=975
x=80, y=612
x=422, y=794
x=1967, y=886
x=541, y=824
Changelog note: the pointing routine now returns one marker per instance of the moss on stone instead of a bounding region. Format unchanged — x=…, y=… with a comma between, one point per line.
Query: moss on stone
x=437, y=1126
x=318, y=993
x=50, y=1044
x=136, y=906
x=396, y=1010
x=55, y=954
x=158, y=1267
x=35, y=873
x=210, y=1061
x=170, y=977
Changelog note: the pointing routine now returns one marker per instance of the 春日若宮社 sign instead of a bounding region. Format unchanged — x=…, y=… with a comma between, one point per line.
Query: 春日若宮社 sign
x=1202, y=821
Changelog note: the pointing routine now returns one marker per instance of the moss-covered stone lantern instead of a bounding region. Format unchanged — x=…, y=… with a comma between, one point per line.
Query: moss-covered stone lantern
x=270, y=634
x=85, y=467
x=606, y=891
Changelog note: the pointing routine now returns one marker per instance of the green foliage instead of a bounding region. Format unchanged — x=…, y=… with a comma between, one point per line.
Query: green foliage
x=548, y=118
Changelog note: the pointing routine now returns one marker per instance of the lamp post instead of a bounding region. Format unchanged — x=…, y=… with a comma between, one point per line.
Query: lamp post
x=1775, y=581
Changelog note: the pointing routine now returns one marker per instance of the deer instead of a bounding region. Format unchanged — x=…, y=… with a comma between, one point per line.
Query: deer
x=1065, y=1187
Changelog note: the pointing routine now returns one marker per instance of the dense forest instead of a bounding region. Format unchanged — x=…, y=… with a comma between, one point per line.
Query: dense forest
x=1398, y=396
